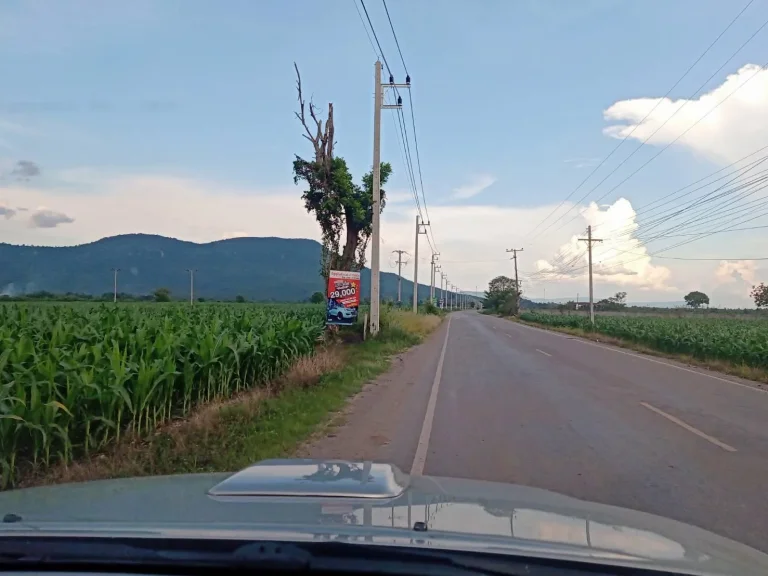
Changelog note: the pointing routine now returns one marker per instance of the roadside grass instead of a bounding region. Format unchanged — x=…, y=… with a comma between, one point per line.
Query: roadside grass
x=266, y=422
x=758, y=375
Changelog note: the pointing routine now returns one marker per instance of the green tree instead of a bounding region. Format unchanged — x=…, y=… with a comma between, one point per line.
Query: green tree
x=695, y=299
x=239, y=299
x=317, y=298
x=760, y=295
x=502, y=295
x=615, y=302
x=340, y=206
x=162, y=295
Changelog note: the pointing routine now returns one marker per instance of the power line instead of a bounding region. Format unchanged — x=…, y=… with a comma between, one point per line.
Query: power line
x=366, y=30
x=413, y=121
x=652, y=158
x=395, y=35
x=373, y=30
x=658, y=103
x=673, y=212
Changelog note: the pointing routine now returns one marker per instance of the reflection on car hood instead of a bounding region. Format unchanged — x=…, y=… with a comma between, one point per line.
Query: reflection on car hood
x=359, y=502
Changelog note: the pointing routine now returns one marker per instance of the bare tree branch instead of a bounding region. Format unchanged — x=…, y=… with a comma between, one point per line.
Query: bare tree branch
x=322, y=136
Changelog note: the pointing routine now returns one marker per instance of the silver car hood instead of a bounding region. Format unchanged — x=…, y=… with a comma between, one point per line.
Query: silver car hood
x=311, y=500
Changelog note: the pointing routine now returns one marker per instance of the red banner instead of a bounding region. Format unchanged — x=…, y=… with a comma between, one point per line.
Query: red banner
x=343, y=297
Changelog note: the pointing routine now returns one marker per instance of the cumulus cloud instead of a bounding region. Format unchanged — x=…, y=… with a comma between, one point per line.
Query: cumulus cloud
x=619, y=257
x=732, y=130
x=44, y=218
x=729, y=271
x=474, y=187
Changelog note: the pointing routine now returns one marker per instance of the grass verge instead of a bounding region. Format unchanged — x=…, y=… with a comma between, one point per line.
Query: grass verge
x=262, y=423
x=757, y=375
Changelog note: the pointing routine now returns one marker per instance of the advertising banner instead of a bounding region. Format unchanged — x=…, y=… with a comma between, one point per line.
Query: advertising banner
x=343, y=297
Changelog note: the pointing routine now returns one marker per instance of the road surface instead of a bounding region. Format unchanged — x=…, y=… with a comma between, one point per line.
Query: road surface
x=487, y=398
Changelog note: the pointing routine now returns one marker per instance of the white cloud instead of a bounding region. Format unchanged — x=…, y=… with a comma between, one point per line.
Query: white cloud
x=399, y=196
x=180, y=207
x=619, y=258
x=729, y=271
x=477, y=185
x=471, y=238
x=731, y=131
x=582, y=162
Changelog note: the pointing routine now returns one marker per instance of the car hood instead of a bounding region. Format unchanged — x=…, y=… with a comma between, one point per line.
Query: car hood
x=313, y=500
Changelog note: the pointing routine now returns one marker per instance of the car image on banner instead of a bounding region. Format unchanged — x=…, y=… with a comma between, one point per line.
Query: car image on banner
x=343, y=297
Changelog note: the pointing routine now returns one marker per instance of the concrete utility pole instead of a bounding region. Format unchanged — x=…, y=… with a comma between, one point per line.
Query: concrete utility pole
x=421, y=228
x=432, y=277
x=191, y=285
x=115, y=270
x=517, y=282
x=589, y=240
x=442, y=290
x=378, y=105
x=399, y=272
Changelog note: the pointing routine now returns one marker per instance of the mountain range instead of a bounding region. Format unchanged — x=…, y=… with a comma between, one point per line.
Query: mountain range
x=260, y=269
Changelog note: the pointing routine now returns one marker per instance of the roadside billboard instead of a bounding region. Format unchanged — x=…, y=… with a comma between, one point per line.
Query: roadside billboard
x=342, y=297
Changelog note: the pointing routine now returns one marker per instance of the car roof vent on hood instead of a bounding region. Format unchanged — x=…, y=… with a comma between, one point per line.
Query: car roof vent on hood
x=315, y=478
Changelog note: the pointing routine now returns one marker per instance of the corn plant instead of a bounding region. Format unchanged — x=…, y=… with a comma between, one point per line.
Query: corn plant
x=75, y=378
x=737, y=341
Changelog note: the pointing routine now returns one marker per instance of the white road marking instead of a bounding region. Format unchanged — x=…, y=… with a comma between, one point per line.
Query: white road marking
x=654, y=360
x=542, y=351
x=426, y=429
x=690, y=428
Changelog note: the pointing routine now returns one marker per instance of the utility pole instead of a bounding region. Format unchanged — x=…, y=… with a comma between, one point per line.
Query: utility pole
x=589, y=240
x=399, y=272
x=517, y=282
x=191, y=285
x=421, y=228
x=442, y=290
x=435, y=267
x=114, y=298
x=378, y=105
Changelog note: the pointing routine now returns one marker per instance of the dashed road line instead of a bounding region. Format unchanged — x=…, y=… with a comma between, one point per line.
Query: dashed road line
x=690, y=428
x=542, y=351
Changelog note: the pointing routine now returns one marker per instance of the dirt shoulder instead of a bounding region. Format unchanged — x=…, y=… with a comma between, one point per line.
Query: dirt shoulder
x=383, y=421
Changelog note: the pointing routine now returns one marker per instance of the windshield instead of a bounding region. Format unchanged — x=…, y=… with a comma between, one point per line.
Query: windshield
x=510, y=249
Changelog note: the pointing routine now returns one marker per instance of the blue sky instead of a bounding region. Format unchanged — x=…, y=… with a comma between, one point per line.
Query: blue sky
x=108, y=95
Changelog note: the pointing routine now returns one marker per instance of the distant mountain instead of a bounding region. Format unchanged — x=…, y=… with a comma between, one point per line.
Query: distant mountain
x=262, y=269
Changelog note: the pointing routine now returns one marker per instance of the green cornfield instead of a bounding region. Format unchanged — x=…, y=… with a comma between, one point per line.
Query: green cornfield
x=75, y=378
x=737, y=341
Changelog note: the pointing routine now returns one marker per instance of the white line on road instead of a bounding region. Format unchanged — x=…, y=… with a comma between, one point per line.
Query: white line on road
x=690, y=428
x=542, y=351
x=612, y=349
x=426, y=429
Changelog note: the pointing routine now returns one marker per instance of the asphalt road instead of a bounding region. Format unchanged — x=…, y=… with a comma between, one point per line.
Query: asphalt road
x=515, y=404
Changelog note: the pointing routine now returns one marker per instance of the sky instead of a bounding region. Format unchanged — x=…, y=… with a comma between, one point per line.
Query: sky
x=177, y=118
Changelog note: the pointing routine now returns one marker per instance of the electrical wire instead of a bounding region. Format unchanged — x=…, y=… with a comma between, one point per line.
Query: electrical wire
x=660, y=152
x=366, y=30
x=395, y=35
x=407, y=158
x=373, y=30
x=658, y=103
x=413, y=123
